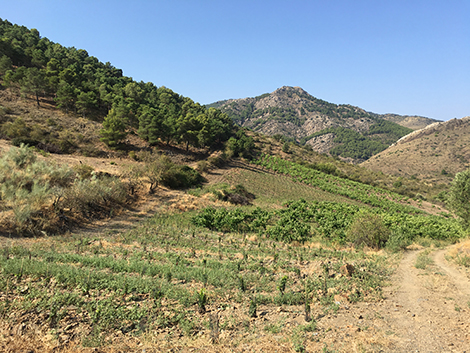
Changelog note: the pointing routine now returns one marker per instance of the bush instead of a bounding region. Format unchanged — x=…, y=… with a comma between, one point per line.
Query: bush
x=458, y=199
x=203, y=166
x=17, y=128
x=368, y=229
x=218, y=161
x=92, y=197
x=236, y=195
x=285, y=147
x=38, y=193
x=28, y=187
x=179, y=177
x=289, y=229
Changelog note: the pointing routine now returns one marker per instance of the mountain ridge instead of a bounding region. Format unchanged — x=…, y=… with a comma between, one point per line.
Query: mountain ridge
x=343, y=130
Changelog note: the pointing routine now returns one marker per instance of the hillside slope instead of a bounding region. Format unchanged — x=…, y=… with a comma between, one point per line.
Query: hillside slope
x=434, y=153
x=341, y=130
x=410, y=121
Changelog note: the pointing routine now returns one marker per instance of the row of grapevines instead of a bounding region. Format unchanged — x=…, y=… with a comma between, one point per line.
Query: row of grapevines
x=299, y=220
x=369, y=195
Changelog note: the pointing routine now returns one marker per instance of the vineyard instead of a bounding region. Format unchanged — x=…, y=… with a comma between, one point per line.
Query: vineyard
x=169, y=278
x=222, y=276
x=301, y=220
x=369, y=195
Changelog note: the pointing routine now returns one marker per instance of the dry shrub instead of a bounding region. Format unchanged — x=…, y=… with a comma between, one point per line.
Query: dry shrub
x=39, y=193
x=94, y=197
x=29, y=188
x=83, y=171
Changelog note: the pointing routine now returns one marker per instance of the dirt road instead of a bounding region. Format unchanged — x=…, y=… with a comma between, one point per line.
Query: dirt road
x=428, y=309
x=425, y=310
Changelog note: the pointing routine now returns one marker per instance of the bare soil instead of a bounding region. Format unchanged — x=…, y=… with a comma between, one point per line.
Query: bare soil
x=428, y=310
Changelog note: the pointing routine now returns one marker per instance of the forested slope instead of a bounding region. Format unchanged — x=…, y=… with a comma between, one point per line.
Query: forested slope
x=82, y=85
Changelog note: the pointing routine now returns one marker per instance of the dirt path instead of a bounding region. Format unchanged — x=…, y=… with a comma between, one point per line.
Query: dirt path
x=428, y=309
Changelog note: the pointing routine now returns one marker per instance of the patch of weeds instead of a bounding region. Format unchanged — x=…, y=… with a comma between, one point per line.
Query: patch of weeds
x=273, y=328
x=241, y=283
x=423, y=260
x=332, y=307
x=94, y=339
x=325, y=349
x=457, y=308
x=298, y=341
x=253, y=307
x=282, y=284
x=462, y=260
x=310, y=327
x=187, y=326
x=202, y=301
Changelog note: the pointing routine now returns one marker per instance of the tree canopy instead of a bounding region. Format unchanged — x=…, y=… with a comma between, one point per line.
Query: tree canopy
x=459, y=196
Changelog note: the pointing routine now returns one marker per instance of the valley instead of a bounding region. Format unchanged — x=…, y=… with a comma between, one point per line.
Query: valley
x=133, y=219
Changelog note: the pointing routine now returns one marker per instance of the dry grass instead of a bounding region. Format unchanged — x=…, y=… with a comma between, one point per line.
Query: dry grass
x=444, y=148
x=460, y=253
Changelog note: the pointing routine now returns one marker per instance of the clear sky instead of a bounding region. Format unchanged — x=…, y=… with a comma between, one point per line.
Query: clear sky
x=386, y=56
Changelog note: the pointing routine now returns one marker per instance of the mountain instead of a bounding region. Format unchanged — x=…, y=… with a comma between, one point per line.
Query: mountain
x=340, y=130
x=435, y=153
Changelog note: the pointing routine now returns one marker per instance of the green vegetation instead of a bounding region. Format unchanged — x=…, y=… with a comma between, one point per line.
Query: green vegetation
x=81, y=84
x=368, y=229
x=301, y=221
x=458, y=198
x=164, y=275
x=378, y=220
x=176, y=274
x=356, y=145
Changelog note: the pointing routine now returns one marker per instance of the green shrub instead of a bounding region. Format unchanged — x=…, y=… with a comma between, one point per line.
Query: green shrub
x=286, y=147
x=179, y=177
x=458, y=199
x=132, y=155
x=368, y=229
x=17, y=128
x=289, y=229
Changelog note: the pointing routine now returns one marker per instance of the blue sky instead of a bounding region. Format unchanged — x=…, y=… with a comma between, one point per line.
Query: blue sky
x=385, y=56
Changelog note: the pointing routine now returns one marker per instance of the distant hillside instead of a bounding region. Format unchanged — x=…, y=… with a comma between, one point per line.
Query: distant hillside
x=410, y=121
x=434, y=153
x=340, y=130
